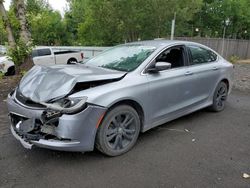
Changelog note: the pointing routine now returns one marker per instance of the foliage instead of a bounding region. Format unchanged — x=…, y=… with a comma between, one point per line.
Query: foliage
x=1, y=75
x=23, y=72
x=215, y=14
x=37, y=6
x=15, y=25
x=109, y=22
x=234, y=59
x=3, y=34
x=46, y=25
x=20, y=52
x=47, y=28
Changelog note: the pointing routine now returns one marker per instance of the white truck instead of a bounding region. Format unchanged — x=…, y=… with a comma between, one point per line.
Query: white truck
x=47, y=56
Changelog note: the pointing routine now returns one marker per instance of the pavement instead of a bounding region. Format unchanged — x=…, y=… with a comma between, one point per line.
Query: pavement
x=203, y=149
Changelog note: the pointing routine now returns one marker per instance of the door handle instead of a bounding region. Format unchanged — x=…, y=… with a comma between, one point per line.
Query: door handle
x=215, y=68
x=188, y=73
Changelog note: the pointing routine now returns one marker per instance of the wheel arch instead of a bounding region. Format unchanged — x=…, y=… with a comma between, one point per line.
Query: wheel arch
x=226, y=81
x=71, y=59
x=134, y=104
x=11, y=71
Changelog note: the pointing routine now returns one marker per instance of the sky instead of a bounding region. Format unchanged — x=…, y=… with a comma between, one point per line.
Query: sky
x=56, y=4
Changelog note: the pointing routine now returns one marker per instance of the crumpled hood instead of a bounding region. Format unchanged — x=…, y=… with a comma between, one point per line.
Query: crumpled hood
x=42, y=84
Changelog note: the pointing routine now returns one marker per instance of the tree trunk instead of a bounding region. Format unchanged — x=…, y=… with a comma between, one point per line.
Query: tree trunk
x=20, y=9
x=7, y=25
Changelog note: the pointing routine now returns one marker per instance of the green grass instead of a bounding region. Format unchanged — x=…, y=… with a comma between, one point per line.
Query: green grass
x=1, y=75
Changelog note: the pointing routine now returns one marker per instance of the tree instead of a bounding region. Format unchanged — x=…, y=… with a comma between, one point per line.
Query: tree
x=73, y=17
x=20, y=10
x=7, y=25
x=211, y=19
x=48, y=29
x=34, y=7
x=108, y=22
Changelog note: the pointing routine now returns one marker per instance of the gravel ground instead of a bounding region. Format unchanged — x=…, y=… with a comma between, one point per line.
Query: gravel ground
x=202, y=149
x=242, y=76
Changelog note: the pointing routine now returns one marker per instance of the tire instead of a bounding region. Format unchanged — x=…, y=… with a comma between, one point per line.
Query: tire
x=118, y=131
x=71, y=61
x=219, y=98
x=11, y=71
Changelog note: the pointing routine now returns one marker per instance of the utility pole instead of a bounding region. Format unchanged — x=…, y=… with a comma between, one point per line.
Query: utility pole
x=226, y=23
x=173, y=27
x=223, y=41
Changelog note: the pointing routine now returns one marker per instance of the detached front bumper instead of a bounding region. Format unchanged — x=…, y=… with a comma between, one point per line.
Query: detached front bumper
x=74, y=132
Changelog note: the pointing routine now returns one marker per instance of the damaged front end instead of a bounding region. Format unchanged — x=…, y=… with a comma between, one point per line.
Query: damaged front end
x=66, y=124
x=42, y=112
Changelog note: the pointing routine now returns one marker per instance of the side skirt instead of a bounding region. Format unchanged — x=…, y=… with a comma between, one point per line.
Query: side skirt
x=176, y=115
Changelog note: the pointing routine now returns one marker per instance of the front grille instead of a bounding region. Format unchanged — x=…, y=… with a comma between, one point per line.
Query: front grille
x=29, y=135
x=26, y=101
x=36, y=131
x=16, y=118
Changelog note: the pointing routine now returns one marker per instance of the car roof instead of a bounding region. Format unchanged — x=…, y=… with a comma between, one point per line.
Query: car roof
x=160, y=42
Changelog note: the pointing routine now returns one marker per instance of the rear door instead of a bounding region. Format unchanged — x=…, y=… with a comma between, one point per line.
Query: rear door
x=43, y=56
x=204, y=67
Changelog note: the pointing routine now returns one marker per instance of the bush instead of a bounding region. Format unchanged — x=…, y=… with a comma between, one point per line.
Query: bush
x=20, y=52
x=1, y=75
x=233, y=59
x=23, y=72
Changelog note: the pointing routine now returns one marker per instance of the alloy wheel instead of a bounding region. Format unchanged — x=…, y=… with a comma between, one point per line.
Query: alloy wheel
x=121, y=130
x=221, y=97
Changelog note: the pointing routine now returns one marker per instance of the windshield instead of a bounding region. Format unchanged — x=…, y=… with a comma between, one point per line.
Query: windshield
x=122, y=58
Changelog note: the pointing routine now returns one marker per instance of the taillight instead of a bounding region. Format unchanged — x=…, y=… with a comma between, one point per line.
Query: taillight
x=82, y=55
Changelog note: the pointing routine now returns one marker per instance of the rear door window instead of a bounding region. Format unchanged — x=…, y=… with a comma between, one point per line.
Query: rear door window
x=201, y=55
x=44, y=52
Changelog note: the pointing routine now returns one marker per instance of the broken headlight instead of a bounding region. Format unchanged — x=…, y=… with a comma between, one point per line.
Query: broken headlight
x=67, y=105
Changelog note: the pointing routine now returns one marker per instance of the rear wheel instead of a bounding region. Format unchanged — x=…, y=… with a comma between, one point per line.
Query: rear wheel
x=119, y=131
x=220, y=97
x=72, y=61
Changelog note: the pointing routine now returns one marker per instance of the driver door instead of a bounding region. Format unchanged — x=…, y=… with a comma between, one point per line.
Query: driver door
x=170, y=90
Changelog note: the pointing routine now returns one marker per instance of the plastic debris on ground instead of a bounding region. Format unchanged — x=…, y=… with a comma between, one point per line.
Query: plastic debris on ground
x=246, y=176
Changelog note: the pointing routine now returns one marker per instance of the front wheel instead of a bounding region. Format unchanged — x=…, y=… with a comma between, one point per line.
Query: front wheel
x=119, y=131
x=220, y=97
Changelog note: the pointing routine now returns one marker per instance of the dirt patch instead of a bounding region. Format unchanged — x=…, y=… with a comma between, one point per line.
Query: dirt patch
x=242, y=76
x=247, y=61
x=8, y=83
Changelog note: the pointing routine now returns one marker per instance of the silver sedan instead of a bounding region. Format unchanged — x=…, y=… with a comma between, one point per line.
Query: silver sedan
x=108, y=100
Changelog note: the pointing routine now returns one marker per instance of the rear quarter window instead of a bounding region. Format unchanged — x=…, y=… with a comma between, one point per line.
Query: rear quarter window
x=201, y=55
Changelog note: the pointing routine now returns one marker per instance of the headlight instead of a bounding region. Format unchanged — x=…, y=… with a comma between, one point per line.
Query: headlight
x=67, y=105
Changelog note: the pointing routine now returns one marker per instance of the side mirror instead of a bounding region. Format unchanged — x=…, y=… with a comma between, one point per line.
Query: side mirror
x=159, y=66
